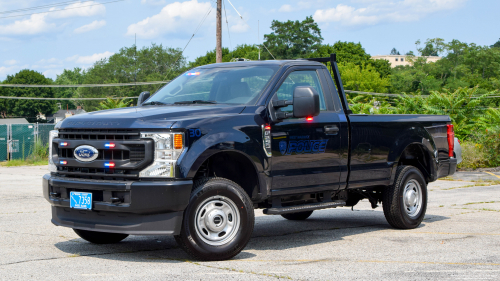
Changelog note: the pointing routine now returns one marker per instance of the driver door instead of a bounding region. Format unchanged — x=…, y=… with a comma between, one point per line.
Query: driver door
x=306, y=153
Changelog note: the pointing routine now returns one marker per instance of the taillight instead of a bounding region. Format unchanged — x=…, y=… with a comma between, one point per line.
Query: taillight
x=451, y=139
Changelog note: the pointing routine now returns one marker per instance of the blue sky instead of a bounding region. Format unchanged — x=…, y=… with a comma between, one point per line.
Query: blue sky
x=86, y=31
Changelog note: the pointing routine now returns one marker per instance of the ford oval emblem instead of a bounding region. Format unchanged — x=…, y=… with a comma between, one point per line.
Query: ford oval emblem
x=86, y=153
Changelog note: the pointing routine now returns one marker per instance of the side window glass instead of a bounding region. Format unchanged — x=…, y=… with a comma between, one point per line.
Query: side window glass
x=300, y=78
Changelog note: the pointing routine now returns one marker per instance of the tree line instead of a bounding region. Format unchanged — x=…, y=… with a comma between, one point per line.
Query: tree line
x=462, y=66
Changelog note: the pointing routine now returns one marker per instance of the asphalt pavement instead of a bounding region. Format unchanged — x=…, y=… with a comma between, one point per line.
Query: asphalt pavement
x=459, y=239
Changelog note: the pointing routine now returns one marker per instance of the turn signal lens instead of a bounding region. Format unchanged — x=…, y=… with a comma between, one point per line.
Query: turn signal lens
x=178, y=143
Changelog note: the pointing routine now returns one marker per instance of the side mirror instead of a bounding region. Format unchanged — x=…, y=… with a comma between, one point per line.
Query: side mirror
x=305, y=102
x=143, y=97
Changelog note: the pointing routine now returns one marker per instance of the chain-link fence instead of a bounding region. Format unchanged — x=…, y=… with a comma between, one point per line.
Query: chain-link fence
x=19, y=141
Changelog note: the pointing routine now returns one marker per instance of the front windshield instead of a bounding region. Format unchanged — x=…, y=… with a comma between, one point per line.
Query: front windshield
x=231, y=85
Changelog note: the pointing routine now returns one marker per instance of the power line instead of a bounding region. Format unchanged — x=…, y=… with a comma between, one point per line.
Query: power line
x=82, y=85
x=227, y=24
x=41, y=7
x=62, y=9
x=241, y=17
x=194, y=33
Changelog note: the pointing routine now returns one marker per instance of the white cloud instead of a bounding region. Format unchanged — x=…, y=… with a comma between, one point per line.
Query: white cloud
x=48, y=63
x=10, y=70
x=240, y=27
x=285, y=8
x=40, y=23
x=80, y=9
x=52, y=72
x=375, y=12
x=153, y=2
x=173, y=18
x=34, y=25
x=91, y=26
x=89, y=59
x=11, y=62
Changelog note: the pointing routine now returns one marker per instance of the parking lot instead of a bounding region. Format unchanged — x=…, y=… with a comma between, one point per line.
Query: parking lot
x=459, y=239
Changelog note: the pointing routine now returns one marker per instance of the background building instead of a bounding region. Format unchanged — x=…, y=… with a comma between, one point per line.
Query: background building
x=396, y=60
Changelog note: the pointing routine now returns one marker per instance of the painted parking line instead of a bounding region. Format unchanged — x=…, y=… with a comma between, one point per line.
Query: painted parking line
x=493, y=174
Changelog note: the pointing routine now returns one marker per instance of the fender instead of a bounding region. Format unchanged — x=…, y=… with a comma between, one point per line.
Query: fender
x=413, y=136
x=211, y=144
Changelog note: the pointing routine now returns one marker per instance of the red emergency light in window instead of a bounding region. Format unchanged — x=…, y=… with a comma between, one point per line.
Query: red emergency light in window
x=309, y=118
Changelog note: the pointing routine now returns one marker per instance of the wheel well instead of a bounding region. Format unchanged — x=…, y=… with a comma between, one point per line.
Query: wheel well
x=232, y=166
x=416, y=156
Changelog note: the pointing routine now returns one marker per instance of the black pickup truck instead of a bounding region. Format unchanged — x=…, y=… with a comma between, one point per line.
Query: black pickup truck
x=196, y=158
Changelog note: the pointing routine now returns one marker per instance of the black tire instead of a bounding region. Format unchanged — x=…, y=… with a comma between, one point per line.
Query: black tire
x=221, y=191
x=100, y=237
x=396, y=211
x=300, y=216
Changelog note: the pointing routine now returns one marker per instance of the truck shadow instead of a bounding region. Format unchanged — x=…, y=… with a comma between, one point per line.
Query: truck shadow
x=270, y=233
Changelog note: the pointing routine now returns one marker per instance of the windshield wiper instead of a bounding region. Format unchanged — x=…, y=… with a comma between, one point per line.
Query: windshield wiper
x=154, y=103
x=196, y=102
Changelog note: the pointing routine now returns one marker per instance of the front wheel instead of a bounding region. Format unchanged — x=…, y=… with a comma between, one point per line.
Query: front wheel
x=405, y=202
x=100, y=237
x=218, y=222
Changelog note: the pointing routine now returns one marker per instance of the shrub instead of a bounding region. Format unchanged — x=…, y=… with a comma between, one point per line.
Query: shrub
x=472, y=156
x=40, y=152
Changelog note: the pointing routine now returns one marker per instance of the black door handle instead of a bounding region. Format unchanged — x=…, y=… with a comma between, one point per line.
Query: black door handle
x=331, y=129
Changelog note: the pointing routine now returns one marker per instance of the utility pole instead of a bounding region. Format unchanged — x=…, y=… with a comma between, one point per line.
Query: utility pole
x=218, y=48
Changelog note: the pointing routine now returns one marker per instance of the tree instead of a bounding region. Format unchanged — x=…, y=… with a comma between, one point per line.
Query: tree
x=69, y=77
x=293, y=39
x=462, y=107
x=241, y=51
x=394, y=52
x=110, y=103
x=496, y=45
x=28, y=109
x=353, y=52
x=362, y=78
x=154, y=63
x=432, y=47
x=410, y=53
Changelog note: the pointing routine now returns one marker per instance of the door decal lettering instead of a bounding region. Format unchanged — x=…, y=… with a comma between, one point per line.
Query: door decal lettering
x=303, y=147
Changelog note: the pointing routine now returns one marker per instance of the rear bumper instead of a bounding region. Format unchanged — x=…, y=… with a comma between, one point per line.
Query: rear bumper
x=145, y=207
x=453, y=166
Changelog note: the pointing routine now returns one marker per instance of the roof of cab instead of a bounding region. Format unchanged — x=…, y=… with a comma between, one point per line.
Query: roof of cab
x=262, y=63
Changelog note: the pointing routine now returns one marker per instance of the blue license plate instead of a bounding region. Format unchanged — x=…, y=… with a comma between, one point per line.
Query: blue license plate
x=80, y=200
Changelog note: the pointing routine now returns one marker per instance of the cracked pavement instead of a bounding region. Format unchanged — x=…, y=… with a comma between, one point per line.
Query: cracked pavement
x=459, y=239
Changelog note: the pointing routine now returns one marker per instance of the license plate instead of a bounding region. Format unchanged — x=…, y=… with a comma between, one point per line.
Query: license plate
x=80, y=200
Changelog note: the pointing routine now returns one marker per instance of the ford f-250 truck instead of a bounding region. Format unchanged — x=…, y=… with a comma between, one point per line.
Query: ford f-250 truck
x=196, y=158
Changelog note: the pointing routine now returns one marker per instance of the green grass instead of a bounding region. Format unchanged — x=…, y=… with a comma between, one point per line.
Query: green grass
x=27, y=162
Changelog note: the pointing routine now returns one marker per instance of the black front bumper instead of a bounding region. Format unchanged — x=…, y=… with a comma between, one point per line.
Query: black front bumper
x=142, y=208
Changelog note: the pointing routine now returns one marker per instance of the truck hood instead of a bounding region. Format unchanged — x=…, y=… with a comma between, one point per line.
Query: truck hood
x=150, y=117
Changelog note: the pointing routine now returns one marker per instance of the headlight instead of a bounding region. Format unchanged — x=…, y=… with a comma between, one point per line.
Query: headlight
x=52, y=134
x=168, y=148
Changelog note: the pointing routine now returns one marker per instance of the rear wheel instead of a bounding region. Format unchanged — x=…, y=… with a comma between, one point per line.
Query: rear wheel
x=297, y=216
x=405, y=202
x=218, y=221
x=100, y=237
